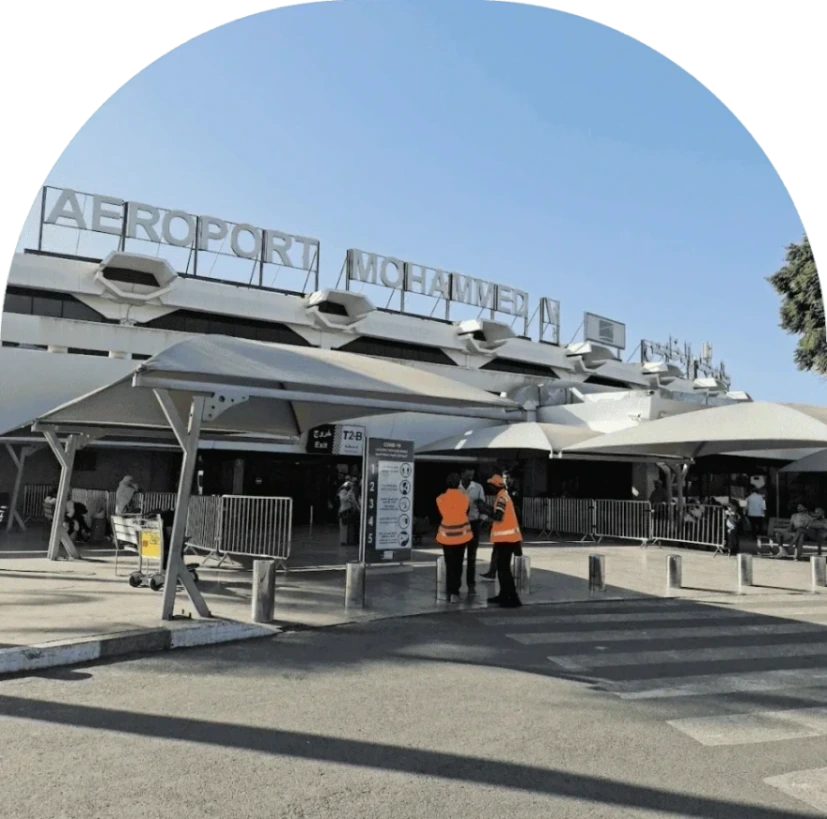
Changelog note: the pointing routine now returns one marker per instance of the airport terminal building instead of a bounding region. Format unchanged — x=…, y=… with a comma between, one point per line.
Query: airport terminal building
x=107, y=283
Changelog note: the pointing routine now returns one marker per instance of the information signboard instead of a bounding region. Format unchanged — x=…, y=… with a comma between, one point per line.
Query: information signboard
x=336, y=439
x=387, y=530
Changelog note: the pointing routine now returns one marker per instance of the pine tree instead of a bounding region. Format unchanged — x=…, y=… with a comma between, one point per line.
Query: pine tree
x=802, y=308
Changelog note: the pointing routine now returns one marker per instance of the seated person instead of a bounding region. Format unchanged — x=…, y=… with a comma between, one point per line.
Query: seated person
x=815, y=530
x=800, y=520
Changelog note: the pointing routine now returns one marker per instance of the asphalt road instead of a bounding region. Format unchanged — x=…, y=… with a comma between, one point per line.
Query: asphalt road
x=644, y=709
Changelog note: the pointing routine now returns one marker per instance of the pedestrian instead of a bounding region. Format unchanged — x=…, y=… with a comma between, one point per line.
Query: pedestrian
x=125, y=495
x=348, y=511
x=733, y=524
x=507, y=538
x=756, y=511
x=454, y=533
x=491, y=574
x=476, y=510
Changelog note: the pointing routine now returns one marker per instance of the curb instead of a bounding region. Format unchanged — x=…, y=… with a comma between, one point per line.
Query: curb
x=21, y=659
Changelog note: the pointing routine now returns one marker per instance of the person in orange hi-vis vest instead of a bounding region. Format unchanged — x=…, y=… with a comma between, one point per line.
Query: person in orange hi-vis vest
x=507, y=539
x=454, y=533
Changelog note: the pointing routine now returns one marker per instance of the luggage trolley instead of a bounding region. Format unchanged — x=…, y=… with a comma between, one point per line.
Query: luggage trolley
x=152, y=556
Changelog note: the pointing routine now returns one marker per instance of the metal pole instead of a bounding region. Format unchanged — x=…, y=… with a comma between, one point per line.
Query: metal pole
x=42, y=218
x=188, y=439
x=818, y=571
x=744, y=572
x=597, y=573
x=441, y=580
x=66, y=457
x=20, y=462
x=355, y=585
x=522, y=567
x=195, y=246
x=264, y=590
x=310, y=533
x=122, y=239
x=673, y=572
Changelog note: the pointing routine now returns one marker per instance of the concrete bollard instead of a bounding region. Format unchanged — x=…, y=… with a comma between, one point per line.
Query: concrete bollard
x=355, y=585
x=264, y=590
x=441, y=580
x=744, y=571
x=597, y=573
x=673, y=572
x=818, y=571
x=522, y=574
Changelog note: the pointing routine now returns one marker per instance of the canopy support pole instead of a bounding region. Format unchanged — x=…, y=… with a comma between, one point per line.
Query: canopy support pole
x=187, y=435
x=66, y=458
x=20, y=462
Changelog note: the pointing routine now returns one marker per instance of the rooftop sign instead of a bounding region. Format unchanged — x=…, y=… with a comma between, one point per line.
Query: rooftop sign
x=367, y=268
x=197, y=234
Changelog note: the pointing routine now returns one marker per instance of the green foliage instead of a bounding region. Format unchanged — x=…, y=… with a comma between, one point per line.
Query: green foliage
x=802, y=308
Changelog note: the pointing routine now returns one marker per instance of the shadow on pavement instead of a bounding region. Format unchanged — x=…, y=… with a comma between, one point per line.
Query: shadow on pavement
x=391, y=758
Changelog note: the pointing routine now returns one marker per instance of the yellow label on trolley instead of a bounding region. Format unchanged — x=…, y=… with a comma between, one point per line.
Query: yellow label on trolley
x=150, y=544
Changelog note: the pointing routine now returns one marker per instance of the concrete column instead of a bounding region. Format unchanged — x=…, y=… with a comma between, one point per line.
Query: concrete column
x=264, y=590
x=673, y=572
x=522, y=574
x=355, y=585
x=818, y=571
x=744, y=572
x=597, y=573
x=441, y=579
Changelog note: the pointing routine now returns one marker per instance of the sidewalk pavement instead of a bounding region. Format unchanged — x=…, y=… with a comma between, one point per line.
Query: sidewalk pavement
x=65, y=612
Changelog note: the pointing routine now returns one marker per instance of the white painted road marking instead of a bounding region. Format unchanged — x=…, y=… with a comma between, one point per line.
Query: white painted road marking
x=655, y=616
x=809, y=787
x=695, y=655
x=760, y=726
x=683, y=632
x=713, y=684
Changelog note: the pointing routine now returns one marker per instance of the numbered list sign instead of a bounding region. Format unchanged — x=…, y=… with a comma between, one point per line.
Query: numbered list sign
x=388, y=501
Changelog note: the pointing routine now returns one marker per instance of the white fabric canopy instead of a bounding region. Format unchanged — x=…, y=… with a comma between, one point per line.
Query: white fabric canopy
x=525, y=435
x=815, y=462
x=716, y=431
x=271, y=390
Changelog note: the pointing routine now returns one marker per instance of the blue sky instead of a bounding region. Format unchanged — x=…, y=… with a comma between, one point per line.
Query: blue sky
x=510, y=143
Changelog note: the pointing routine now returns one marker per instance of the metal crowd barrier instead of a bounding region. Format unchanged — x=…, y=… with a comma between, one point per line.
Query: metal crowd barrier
x=150, y=501
x=626, y=520
x=702, y=525
x=33, y=497
x=256, y=527
x=571, y=516
x=95, y=500
x=203, y=521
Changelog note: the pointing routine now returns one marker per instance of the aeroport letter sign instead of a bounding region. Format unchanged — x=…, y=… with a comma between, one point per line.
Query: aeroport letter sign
x=139, y=220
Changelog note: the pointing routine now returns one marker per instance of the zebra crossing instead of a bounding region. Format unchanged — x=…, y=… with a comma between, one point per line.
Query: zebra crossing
x=724, y=675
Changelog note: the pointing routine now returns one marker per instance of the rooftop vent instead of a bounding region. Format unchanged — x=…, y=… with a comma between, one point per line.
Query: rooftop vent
x=592, y=355
x=135, y=278
x=338, y=309
x=483, y=335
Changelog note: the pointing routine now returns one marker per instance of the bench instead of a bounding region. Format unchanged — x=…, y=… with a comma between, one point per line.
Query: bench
x=768, y=541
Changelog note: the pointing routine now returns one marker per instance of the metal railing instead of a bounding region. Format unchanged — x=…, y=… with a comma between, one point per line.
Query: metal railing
x=256, y=527
x=222, y=525
x=571, y=516
x=701, y=525
x=627, y=520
